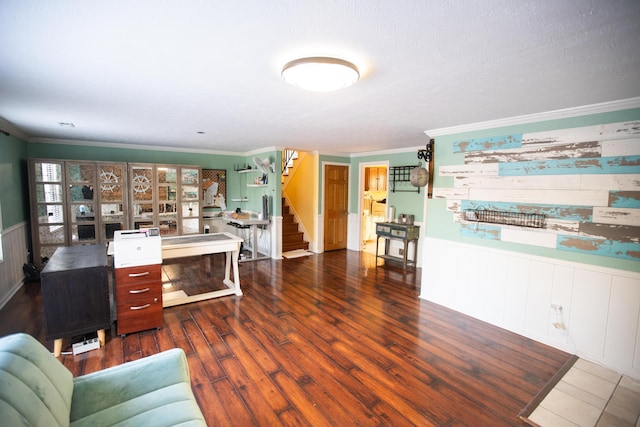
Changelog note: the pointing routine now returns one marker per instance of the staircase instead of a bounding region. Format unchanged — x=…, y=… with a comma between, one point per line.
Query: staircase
x=292, y=238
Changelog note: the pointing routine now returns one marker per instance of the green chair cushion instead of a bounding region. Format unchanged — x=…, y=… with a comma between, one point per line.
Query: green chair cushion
x=154, y=390
x=35, y=388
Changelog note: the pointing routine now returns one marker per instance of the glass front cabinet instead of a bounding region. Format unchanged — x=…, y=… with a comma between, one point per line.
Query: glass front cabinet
x=74, y=203
x=84, y=202
x=167, y=197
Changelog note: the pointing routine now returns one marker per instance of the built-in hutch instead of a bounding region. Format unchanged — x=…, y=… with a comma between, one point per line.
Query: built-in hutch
x=85, y=202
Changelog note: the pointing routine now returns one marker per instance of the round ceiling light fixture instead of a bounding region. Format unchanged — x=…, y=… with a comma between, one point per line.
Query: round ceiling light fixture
x=320, y=74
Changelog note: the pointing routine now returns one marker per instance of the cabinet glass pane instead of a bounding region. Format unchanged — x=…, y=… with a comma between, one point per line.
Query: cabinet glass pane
x=83, y=232
x=168, y=227
x=190, y=209
x=111, y=228
x=141, y=183
x=112, y=212
x=48, y=172
x=82, y=212
x=51, y=234
x=111, y=179
x=49, y=193
x=50, y=214
x=81, y=172
x=167, y=208
x=189, y=176
x=167, y=192
x=167, y=175
x=78, y=193
x=190, y=226
x=190, y=192
x=143, y=210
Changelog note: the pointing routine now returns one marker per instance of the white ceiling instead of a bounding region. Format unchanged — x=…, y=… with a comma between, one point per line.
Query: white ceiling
x=157, y=72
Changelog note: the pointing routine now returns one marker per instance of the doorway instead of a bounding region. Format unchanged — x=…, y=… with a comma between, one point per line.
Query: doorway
x=373, y=199
x=336, y=203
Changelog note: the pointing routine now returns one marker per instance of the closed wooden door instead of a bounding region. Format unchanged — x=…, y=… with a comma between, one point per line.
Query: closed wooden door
x=336, y=201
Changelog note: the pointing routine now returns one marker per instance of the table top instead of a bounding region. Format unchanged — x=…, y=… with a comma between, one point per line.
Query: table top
x=199, y=239
x=76, y=257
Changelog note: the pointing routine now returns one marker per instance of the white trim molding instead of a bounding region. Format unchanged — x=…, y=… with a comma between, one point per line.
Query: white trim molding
x=605, y=107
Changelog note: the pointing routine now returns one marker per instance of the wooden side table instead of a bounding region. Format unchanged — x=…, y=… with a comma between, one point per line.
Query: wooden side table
x=75, y=293
x=406, y=233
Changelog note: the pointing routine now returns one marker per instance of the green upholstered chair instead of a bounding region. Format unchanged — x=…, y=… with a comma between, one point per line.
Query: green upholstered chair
x=36, y=389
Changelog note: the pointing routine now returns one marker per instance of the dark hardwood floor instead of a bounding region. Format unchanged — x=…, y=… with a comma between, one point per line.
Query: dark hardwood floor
x=326, y=340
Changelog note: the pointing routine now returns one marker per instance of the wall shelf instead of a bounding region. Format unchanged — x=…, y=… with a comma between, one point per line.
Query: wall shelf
x=401, y=174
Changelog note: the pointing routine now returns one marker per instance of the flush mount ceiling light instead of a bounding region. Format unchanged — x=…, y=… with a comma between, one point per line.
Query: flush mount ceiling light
x=320, y=74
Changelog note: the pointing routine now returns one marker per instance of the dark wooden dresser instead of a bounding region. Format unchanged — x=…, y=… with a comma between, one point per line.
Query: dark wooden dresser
x=75, y=293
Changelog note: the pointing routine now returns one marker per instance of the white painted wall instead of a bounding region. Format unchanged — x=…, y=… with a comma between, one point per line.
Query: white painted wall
x=14, y=246
x=600, y=306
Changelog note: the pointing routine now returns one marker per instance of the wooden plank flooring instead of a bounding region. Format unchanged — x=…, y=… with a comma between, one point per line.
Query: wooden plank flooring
x=326, y=340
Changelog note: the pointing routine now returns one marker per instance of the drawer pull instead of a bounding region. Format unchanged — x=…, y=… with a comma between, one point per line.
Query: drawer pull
x=140, y=307
x=139, y=291
x=138, y=274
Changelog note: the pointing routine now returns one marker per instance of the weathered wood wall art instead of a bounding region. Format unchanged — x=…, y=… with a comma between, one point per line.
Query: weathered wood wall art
x=584, y=181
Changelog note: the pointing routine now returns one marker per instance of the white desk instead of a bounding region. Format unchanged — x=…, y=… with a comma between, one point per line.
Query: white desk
x=253, y=224
x=202, y=244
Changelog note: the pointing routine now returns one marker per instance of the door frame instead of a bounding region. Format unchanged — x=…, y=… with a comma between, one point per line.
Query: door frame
x=321, y=213
x=361, y=176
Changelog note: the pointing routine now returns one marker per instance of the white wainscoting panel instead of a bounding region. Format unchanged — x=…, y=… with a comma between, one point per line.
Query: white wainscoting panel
x=14, y=247
x=599, y=314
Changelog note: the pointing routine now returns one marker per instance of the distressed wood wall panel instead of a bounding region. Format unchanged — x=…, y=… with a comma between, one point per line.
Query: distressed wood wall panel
x=450, y=193
x=624, y=199
x=491, y=143
x=568, y=197
x=621, y=147
x=602, y=165
x=614, y=233
x=528, y=237
x=567, y=182
x=599, y=246
x=616, y=216
x=588, y=149
x=563, y=136
x=557, y=211
x=626, y=182
x=586, y=181
x=488, y=169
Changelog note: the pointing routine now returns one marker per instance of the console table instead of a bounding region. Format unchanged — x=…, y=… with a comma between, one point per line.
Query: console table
x=75, y=293
x=404, y=232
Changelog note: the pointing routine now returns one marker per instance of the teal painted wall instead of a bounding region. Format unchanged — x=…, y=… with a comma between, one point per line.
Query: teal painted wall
x=410, y=202
x=14, y=186
x=440, y=224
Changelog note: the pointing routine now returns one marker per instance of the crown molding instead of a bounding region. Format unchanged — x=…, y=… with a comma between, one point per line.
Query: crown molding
x=11, y=129
x=129, y=146
x=390, y=151
x=605, y=107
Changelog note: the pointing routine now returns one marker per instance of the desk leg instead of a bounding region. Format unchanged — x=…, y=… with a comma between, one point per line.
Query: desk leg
x=254, y=242
x=406, y=247
x=232, y=259
x=57, y=347
x=236, y=273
